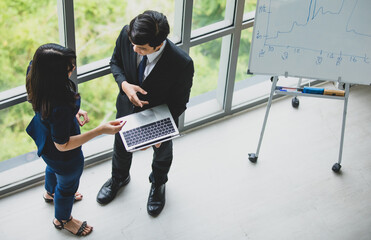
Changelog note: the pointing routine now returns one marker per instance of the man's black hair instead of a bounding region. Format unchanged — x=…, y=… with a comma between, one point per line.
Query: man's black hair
x=149, y=27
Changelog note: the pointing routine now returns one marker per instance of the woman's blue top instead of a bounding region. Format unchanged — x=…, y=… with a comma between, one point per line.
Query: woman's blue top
x=58, y=127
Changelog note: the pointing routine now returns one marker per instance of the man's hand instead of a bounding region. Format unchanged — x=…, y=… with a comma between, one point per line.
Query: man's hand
x=84, y=115
x=131, y=91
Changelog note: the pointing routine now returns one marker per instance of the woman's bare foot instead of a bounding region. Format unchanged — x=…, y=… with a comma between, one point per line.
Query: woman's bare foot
x=78, y=196
x=75, y=226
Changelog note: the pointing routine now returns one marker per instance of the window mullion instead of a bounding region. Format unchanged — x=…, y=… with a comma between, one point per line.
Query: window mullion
x=66, y=22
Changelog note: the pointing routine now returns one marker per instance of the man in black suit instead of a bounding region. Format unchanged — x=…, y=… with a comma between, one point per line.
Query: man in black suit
x=167, y=78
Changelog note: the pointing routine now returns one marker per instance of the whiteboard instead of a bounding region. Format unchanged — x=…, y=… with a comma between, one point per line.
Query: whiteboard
x=319, y=39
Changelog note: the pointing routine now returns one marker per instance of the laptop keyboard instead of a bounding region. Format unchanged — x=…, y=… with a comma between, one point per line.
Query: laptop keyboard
x=148, y=132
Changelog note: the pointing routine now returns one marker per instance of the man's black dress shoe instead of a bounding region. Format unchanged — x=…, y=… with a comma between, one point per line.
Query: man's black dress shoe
x=156, y=199
x=109, y=190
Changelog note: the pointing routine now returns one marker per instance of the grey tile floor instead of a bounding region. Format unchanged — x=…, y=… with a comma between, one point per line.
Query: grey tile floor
x=215, y=192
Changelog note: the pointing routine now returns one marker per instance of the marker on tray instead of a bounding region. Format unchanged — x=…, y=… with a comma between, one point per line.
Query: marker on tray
x=288, y=89
x=313, y=90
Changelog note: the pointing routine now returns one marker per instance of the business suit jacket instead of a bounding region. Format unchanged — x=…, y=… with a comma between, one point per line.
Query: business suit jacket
x=169, y=82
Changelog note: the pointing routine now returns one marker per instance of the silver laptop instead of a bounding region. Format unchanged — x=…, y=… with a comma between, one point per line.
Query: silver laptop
x=147, y=128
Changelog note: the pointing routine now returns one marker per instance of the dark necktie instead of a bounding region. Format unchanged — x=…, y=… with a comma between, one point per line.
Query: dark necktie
x=141, y=67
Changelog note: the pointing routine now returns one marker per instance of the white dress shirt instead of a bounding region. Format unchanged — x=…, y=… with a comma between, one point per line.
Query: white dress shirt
x=151, y=61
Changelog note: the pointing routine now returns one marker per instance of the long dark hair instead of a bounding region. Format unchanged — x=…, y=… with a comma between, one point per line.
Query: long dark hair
x=47, y=82
x=149, y=27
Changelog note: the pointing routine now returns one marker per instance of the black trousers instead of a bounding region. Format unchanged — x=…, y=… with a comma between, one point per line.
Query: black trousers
x=161, y=162
x=121, y=159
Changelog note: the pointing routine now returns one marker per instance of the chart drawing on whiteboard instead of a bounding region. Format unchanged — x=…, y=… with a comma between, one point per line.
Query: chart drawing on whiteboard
x=328, y=40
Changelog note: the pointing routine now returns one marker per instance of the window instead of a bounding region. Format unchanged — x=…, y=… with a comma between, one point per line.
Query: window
x=247, y=88
x=206, y=81
x=25, y=25
x=98, y=24
x=100, y=105
x=14, y=139
x=210, y=15
x=249, y=10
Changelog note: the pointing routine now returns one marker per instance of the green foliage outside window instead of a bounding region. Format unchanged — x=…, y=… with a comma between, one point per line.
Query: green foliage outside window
x=25, y=25
x=206, y=12
x=97, y=25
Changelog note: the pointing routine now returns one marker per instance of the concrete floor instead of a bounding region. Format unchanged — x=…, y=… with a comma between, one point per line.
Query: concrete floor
x=215, y=192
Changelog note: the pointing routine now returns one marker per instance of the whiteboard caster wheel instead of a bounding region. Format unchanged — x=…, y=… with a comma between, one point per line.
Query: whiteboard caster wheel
x=295, y=102
x=253, y=158
x=336, y=167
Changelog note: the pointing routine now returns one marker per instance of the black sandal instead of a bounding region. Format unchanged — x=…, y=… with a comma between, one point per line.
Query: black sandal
x=48, y=200
x=61, y=226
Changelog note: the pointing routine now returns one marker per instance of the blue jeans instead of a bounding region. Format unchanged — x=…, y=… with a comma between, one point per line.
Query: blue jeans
x=64, y=187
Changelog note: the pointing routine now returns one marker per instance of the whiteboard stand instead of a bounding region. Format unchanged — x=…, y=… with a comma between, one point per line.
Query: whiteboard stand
x=253, y=157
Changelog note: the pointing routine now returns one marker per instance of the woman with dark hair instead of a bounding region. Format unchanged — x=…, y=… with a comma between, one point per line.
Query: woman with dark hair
x=56, y=132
